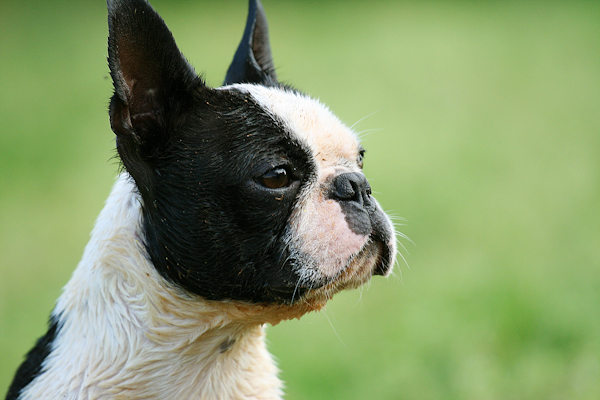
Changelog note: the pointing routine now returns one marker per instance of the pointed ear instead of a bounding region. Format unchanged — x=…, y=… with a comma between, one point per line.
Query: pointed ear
x=149, y=73
x=253, y=62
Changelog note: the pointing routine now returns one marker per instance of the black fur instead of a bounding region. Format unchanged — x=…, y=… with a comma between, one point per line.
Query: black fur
x=253, y=62
x=195, y=154
x=153, y=82
x=32, y=366
x=209, y=225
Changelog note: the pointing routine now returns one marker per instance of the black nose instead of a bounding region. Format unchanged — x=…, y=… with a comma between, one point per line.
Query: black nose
x=352, y=186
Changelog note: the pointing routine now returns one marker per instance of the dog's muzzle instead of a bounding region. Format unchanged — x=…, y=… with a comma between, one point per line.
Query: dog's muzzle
x=364, y=216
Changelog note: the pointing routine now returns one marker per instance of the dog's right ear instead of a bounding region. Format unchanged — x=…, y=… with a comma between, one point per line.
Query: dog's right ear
x=253, y=62
x=151, y=78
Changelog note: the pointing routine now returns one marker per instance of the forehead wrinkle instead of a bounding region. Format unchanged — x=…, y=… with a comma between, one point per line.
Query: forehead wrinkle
x=331, y=142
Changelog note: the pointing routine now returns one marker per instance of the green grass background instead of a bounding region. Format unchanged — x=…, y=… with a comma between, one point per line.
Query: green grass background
x=488, y=143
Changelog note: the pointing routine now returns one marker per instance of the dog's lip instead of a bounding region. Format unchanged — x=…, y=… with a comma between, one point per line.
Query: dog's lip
x=383, y=265
x=374, y=258
x=380, y=254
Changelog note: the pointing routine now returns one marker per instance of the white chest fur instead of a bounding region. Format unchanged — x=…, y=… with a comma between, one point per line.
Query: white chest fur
x=125, y=333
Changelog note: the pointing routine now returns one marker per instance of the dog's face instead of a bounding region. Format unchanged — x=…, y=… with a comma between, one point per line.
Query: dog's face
x=251, y=191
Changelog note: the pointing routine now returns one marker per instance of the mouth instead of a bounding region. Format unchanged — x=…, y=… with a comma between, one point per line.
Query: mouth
x=384, y=263
x=375, y=258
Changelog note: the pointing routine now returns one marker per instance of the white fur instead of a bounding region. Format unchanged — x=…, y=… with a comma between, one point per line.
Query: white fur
x=331, y=142
x=126, y=334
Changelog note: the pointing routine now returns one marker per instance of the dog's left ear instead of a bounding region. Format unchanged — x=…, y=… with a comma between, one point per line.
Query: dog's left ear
x=253, y=62
x=152, y=79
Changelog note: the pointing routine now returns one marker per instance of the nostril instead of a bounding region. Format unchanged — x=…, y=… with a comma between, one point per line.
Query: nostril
x=351, y=186
x=343, y=189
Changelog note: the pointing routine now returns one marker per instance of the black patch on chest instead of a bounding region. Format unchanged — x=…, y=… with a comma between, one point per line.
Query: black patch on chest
x=32, y=366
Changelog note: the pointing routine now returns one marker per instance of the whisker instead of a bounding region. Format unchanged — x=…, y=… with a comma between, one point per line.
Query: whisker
x=395, y=217
x=405, y=262
x=395, y=276
x=367, y=132
x=403, y=236
x=360, y=294
x=334, y=330
x=363, y=118
x=295, y=290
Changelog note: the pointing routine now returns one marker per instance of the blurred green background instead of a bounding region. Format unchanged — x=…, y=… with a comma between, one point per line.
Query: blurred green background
x=483, y=131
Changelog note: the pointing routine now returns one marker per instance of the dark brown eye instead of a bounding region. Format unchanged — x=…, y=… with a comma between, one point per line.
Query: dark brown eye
x=275, y=178
x=360, y=158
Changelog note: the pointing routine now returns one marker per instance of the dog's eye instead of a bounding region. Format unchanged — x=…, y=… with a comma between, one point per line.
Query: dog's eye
x=275, y=179
x=360, y=158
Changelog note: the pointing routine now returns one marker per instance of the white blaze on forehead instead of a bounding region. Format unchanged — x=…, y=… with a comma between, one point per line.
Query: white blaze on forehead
x=330, y=140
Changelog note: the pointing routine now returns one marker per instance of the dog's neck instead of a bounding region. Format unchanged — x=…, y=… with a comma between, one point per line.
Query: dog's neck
x=124, y=332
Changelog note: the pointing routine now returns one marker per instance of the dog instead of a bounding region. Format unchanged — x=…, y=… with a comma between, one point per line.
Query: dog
x=236, y=207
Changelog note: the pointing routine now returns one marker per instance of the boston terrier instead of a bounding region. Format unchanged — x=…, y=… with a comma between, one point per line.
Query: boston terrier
x=236, y=207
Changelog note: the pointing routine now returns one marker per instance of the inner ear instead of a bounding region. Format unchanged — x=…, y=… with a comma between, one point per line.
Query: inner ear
x=148, y=70
x=253, y=61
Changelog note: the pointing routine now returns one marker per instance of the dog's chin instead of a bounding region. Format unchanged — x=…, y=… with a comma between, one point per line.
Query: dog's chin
x=375, y=258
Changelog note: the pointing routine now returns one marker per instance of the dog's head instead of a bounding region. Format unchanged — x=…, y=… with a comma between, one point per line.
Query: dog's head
x=251, y=191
